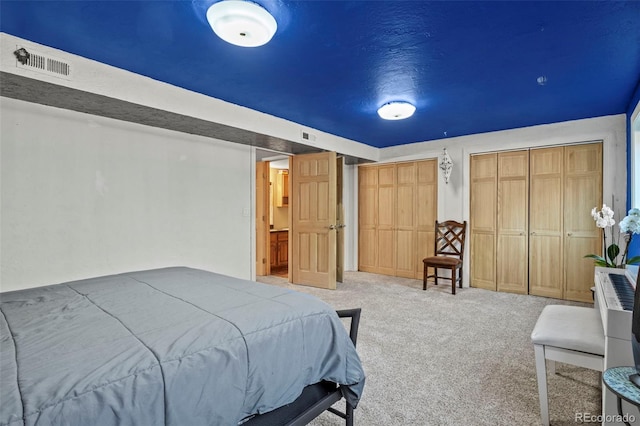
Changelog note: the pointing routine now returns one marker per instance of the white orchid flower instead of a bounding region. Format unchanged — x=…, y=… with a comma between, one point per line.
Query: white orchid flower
x=604, y=217
x=630, y=224
x=606, y=211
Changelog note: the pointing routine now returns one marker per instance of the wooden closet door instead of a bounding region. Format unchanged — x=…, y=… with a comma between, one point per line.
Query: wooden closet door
x=386, y=247
x=397, y=208
x=546, y=230
x=405, y=226
x=513, y=222
x=582, y=192
x=426, y=211
x=367, y=212
x=482, y=220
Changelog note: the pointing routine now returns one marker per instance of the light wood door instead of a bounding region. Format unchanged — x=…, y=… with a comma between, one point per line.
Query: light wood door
x=397, y=208
x=483, y=177
x=313, y=183
x=426, y=211
x=546, y=230
x=513, y=222
x=405, y=220
x=262, y=219
x=386, y=247
x=582, y=192
x=367, y=213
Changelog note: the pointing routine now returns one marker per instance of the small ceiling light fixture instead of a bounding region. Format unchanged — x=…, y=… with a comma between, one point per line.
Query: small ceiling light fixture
x=396, y=110
x=241, y=22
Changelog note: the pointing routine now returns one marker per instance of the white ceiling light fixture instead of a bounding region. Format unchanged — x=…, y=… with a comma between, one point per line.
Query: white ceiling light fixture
x=241, y=22
x=396, y=110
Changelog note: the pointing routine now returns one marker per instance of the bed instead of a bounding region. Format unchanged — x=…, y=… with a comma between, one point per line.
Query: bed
x=173, y=346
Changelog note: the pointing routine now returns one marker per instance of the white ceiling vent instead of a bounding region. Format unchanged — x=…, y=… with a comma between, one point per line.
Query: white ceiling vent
x=44, y=64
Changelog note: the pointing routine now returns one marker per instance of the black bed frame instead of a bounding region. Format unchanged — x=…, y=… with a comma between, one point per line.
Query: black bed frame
x=315, y=399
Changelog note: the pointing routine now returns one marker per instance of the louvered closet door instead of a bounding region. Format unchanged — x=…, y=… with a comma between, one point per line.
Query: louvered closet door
x=582, y=192
x=546, y=231
x=367, y=212
x=482, y=220
x=386, y=247
x=513, y=222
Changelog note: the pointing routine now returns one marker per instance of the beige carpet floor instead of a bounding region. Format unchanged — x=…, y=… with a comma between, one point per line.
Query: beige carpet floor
x=432, y=358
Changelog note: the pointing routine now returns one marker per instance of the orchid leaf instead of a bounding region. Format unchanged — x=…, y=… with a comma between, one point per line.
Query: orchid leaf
x=595, y=257
x=598, y=260
x=612, y=252
x=635, y=260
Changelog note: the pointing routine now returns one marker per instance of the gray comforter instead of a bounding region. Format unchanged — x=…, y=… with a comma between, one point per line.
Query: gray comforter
x=173, y=346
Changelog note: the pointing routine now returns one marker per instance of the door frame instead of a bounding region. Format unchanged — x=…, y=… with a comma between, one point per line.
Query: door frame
x=262, y=211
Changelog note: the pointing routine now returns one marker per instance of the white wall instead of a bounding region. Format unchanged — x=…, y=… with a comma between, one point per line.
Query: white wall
x=453, y=199
x=350, y=205
x=94, y=77
x=85, y=196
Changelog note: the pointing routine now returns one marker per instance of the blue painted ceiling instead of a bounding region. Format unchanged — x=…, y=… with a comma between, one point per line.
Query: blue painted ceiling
x=469, y=67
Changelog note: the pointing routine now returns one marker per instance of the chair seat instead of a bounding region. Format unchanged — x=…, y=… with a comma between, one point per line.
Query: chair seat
x=570, y=327
x=443, y=261
x=568, y=334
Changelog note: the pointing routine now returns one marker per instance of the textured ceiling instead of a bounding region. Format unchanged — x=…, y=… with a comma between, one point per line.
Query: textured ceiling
x=469, y=67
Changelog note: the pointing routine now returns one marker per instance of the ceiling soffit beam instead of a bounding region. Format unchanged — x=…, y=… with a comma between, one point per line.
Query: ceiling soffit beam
x=44, y=93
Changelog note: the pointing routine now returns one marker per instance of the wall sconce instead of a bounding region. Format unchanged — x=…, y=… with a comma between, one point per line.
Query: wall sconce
x=446, y=165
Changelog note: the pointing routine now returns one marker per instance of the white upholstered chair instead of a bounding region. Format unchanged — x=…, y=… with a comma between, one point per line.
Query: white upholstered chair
x=569, y=334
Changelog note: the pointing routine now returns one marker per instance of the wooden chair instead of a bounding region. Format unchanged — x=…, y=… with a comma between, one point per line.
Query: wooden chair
x=448, y=253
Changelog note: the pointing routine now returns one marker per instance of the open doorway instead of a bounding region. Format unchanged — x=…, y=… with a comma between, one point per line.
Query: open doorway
x=272, y=213
x=300, y=218
x=279, y=217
